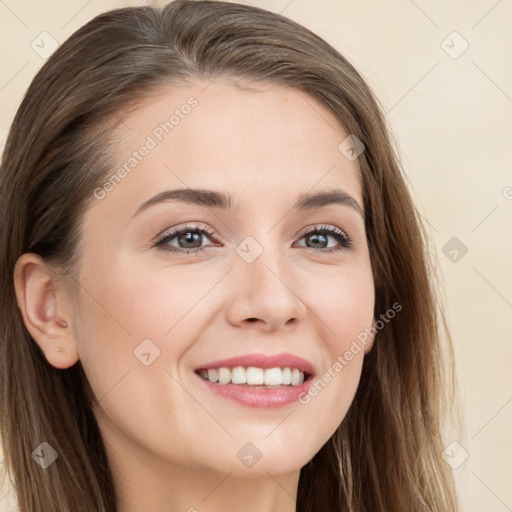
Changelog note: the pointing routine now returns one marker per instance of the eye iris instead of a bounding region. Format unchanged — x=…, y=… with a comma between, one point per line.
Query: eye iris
x=191, y=237
x=315, y=238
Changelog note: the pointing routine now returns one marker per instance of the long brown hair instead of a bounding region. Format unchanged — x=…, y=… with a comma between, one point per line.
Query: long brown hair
x=386, y=454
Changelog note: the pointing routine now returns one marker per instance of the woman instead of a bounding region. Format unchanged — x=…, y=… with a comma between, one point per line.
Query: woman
x=217, y=288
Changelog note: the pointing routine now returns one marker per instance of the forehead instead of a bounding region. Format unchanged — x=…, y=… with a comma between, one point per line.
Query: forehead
x=259, y=141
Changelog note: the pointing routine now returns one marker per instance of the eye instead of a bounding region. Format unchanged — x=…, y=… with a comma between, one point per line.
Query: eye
x=189, y=239
x=319, y=238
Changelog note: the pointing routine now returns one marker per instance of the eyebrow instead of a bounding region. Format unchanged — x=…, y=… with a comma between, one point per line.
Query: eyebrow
x=219, y=200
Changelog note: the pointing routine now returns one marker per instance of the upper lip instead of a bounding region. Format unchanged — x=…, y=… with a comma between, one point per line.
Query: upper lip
x=259, y=360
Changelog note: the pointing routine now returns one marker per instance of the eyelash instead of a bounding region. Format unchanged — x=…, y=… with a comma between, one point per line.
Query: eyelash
x=338, y=234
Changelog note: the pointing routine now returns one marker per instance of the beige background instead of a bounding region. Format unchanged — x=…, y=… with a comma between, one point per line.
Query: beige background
x=452, y=117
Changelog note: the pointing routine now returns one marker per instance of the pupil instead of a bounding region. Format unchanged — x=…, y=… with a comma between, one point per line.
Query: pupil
x=314, y=238
x=190, y=237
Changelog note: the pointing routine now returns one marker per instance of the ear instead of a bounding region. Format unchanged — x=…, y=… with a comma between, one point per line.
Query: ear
x=45, y=307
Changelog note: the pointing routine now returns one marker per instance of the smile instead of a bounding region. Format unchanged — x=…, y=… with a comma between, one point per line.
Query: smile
x=254, y=376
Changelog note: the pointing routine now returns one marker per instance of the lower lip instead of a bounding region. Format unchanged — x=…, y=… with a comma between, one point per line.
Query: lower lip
x=264, y=398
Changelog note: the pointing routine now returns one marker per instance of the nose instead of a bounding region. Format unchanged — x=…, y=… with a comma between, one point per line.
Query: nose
x=266, y=292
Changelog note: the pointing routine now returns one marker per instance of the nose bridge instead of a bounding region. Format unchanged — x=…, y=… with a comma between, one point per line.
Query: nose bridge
x=263, y=260
x=265, y=287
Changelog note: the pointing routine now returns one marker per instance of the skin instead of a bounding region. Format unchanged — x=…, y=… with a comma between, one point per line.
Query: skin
x=172, y=443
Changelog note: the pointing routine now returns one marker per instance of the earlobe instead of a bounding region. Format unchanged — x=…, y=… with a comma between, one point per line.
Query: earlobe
x=41, y=300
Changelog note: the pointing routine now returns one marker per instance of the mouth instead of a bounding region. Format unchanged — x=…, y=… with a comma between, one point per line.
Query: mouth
x=256, y=377
x=258, y=380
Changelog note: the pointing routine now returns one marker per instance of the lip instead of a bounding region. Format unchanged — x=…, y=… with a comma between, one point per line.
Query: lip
x=263, y=398
x=259, y=360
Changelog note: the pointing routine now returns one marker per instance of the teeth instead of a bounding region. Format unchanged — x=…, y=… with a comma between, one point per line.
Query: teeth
x=224, y=375
x=255, y=376
x=238, y=375
x=297, y=377
x=274, y=377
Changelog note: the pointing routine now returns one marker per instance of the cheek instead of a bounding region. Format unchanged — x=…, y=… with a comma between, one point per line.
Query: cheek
x=130, y=316
x=128, y=319
x=343, y=301
x=130, y=303
x=121, y=318
x=343, y=298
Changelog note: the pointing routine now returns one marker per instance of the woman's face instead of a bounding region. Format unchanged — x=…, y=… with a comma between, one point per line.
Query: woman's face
x=149, y=316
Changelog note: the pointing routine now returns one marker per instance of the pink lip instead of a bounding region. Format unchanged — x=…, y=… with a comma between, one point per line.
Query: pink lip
x=282, y=360
x=266, y=398
x=251, y=396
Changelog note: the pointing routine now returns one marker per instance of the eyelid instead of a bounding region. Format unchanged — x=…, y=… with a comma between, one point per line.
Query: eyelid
x=173, y=232
x=192, y=225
